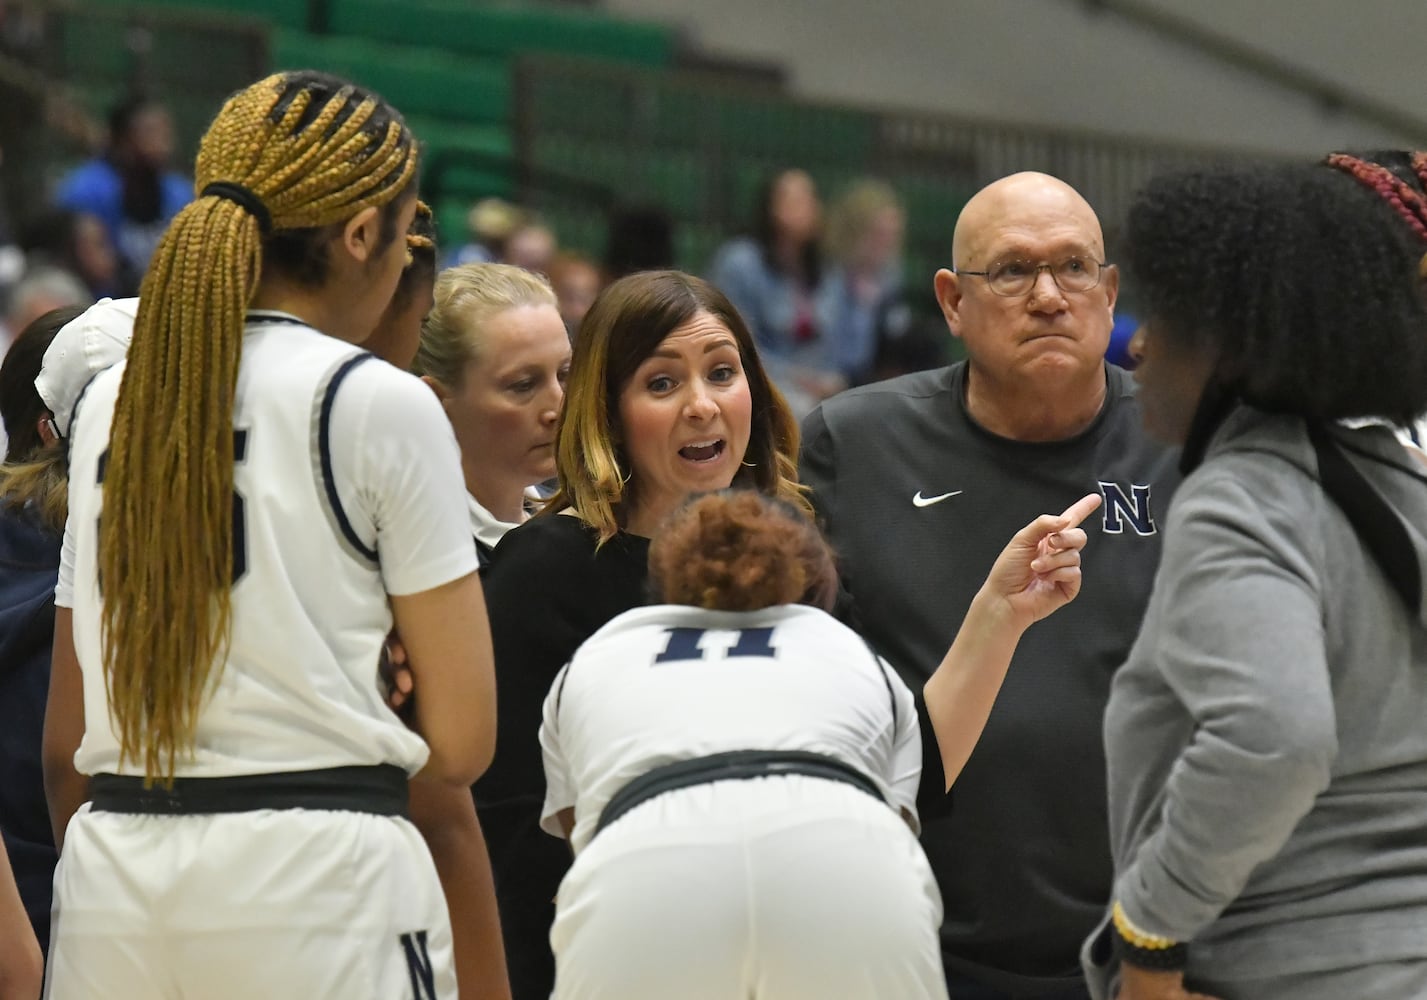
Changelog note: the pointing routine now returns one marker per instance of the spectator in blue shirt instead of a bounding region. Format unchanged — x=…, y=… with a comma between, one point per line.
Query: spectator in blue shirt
x=130, y=188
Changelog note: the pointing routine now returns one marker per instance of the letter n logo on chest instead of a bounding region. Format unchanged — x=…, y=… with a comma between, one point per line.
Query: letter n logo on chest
x=1119, y=509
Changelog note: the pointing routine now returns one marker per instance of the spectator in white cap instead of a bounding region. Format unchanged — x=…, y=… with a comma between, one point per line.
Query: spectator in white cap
x=64, y=348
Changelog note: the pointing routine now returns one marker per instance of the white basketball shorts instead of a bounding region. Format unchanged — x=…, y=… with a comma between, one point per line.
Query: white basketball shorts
x=289, y=904
x=785, y=888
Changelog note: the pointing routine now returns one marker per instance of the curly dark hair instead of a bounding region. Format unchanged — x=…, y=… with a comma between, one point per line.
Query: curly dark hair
x=738, y=550
x=1303, y=283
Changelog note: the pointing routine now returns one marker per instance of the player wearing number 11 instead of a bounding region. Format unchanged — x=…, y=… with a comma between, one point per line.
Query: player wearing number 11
x=737, y=771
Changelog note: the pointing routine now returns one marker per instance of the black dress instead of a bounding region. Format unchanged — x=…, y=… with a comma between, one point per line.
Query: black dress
x=547, y=589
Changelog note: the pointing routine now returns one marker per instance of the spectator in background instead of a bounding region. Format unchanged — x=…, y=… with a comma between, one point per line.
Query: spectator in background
x=76, y=242
x=773, y=277
x=532, y=246
x=865, y=230
x=489, y=224
x=909, y=338
x=639, y=238
x=39, y=291
x=1122, y=337
x=12, y=258
x=576, y=281
x=130, y=187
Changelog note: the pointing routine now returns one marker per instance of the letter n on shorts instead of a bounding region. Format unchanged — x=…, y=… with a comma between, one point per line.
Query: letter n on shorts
x=418, y=965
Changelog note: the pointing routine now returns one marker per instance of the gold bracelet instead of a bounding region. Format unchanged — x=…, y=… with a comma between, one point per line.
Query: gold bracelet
x=1135, y=936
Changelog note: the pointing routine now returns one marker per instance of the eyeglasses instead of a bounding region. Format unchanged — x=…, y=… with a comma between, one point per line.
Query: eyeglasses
x=1014, y=276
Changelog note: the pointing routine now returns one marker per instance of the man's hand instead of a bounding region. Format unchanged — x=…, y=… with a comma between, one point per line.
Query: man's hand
x=1148, y=984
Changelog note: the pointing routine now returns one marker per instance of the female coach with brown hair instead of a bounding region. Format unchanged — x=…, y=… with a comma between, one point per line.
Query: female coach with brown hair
x=666, y=397
x=252, y=506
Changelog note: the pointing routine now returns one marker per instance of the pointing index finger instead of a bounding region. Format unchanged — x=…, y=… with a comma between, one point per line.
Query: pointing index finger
x=1081, y=509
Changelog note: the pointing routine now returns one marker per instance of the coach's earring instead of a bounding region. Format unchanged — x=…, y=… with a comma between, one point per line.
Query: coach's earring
x=751, y=465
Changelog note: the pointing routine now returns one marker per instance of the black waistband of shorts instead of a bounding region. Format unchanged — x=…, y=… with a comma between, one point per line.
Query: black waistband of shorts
x=733, y=765
x=379, y=789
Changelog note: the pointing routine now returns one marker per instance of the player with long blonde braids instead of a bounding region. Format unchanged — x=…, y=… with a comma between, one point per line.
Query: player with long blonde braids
x=253, y=506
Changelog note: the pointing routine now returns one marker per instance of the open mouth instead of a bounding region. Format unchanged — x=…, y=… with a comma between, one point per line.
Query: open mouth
x=703, y=451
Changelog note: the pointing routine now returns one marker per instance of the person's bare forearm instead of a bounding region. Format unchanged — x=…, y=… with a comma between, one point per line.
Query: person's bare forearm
x=446, y=817
x=65, y=788
x=1037, y=573
x=21, y=965
x=959, y=696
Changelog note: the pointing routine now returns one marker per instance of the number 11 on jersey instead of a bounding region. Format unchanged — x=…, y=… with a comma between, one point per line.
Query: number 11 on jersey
x=688, y=644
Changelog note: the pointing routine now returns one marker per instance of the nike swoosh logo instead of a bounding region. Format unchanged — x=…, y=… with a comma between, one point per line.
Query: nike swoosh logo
x=921, y=501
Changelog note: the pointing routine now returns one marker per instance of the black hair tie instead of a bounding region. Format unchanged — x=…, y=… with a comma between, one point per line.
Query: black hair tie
x=245, y=197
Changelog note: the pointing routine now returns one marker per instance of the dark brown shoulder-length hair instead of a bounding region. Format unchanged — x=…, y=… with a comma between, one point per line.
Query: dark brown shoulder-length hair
x=34, y=475
x=737, y=550
x=624, y=326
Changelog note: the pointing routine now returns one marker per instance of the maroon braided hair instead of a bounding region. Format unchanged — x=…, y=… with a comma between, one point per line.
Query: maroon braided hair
x=1406, y=200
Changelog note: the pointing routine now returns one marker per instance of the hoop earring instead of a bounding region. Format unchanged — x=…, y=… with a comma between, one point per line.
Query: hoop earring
x=751, y=465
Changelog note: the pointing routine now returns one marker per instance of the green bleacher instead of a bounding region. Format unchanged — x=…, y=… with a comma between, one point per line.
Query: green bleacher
x=604, y=116
x=502, y=31
x=447, y=64
x=425, y=81
x=279, y=13
x=464, y=27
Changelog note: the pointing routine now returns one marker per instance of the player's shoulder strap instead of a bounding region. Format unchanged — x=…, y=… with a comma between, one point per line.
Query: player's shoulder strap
x=886, y=679
x=325, y=399
x=74, y=410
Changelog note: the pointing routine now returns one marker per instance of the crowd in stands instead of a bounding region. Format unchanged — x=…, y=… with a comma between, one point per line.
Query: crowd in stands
x=752, y=579
x=824, y=293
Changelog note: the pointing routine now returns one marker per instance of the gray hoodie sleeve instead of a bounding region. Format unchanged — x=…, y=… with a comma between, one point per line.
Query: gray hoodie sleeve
x=1237, y=635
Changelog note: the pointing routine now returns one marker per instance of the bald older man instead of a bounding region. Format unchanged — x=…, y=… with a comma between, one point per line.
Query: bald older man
x=920, y=480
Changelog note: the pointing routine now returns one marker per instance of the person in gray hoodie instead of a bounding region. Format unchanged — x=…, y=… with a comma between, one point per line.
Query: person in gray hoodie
x=1265, y=740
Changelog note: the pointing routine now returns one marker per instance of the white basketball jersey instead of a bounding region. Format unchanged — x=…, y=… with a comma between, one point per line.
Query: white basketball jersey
x=347, y=487
x=665, y=683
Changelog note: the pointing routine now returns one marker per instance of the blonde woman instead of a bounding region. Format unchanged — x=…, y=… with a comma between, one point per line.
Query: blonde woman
x=494, y=350
x=863, y=245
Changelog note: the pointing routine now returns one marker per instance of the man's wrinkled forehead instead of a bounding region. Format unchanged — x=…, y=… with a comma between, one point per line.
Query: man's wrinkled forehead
x=1026, y=212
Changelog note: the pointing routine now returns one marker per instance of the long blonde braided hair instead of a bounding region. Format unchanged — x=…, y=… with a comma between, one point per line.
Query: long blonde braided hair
x=313, y=150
